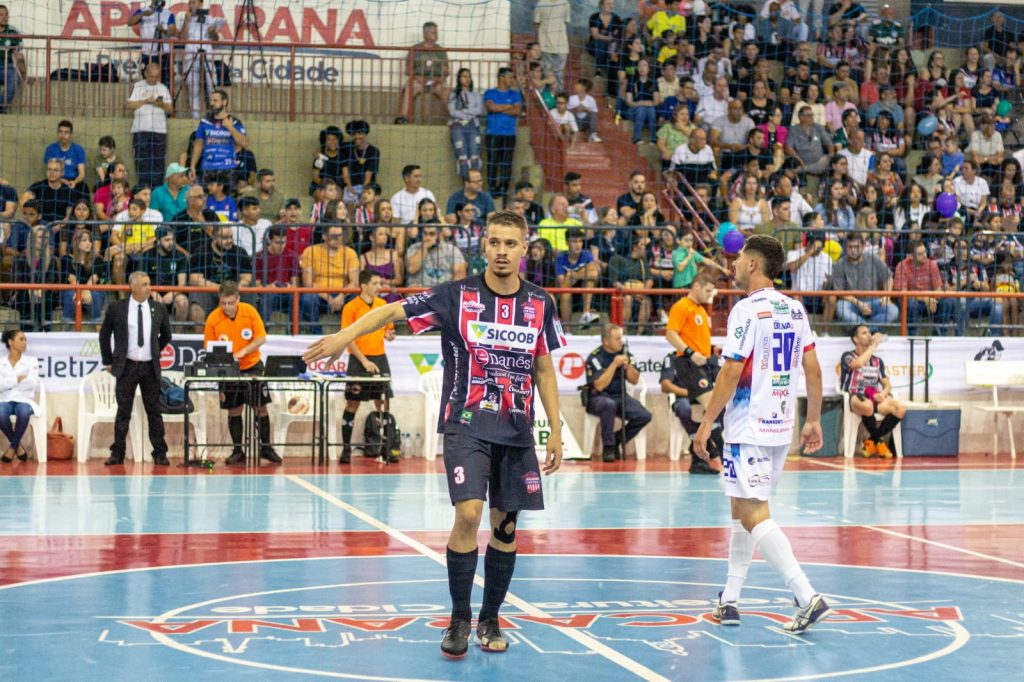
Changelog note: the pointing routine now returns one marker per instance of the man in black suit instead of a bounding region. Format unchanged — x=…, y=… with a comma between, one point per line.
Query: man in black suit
x=141, y=329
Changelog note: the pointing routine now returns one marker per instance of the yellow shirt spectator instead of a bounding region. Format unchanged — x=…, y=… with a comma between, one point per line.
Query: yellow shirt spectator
x=325, y=269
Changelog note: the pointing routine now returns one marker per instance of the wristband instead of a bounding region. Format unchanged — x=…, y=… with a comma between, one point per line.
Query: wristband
x=688, y=352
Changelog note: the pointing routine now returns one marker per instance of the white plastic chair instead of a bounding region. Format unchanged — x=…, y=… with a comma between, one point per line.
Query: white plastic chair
x=637, y=391
x=430, y=385
x=678, y=439
x=195, y=420
x=280, y=417
x=993, y=374
x=851, y=427
x=37, y=422
x=97, y=390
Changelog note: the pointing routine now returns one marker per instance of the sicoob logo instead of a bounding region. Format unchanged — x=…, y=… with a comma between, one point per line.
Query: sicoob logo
x=503, y=335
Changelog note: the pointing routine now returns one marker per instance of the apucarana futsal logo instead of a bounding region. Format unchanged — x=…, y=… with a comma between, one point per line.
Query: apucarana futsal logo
x=491, y=334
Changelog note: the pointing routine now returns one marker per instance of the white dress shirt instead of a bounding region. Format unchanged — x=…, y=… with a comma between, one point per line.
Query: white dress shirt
x=135, y=353
x=13, y=391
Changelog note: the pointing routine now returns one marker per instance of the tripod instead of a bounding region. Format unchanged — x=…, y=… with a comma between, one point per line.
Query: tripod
x=205, y=81
x=246, y=20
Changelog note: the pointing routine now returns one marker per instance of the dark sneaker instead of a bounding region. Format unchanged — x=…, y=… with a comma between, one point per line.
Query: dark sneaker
x=807, y=616
x=725, y=613
x=236, y=457
x=401, y=121
x=456, y=639
x=490, y=637
x=346, y=456
x=699, y=466
x=609, y=454
x=394, y=458
x=270, y=455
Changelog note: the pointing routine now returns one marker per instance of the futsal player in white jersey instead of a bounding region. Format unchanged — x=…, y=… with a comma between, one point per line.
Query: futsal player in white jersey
x=768, y=340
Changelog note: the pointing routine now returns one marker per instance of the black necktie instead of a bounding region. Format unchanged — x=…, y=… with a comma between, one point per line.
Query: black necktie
x=142, y=336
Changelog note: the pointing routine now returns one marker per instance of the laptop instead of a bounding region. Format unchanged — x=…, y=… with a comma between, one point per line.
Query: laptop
x=284, y=366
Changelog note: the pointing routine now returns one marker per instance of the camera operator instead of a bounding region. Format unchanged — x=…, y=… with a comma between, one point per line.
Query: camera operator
x=155, y=23
x=197, y=67
x=218, y=138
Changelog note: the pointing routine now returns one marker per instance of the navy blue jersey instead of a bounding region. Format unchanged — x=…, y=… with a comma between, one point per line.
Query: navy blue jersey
x=490, y=344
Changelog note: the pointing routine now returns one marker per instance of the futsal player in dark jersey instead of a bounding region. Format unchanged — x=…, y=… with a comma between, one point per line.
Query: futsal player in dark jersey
x=497, y=333
x=863, y=376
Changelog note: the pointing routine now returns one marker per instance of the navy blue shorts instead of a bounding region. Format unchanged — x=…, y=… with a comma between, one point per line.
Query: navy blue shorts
x=506, y=475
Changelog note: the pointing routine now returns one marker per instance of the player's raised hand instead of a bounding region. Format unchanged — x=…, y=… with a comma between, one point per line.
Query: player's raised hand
x=700, y=441
x=330, y=347
x=810, y=437
x=554, y=458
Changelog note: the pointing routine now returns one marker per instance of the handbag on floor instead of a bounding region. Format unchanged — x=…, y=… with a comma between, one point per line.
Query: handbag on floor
x=59, y=445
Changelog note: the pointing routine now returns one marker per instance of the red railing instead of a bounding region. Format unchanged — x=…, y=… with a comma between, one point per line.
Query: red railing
x=549, y=146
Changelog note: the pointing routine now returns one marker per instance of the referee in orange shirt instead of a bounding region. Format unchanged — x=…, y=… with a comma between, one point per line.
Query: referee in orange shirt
x=366, y=358
x=240, y=324
x=689, y=332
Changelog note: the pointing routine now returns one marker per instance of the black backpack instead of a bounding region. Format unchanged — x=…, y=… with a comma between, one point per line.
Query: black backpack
x=172, y=398
x=380, y=433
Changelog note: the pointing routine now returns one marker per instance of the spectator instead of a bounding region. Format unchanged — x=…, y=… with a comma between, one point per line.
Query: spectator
x=12, y=62
x=714, y=106
x=835, y=209
x=433, y=260
x=856, y=271
x=35, y=265
x=82, y=266
x=363, y=214
x=641, y=102
x=54, y=195
x=329, y=161
x=885, y=31
x=774, y=135
x=534, y=212
x=553, y=228
x=8, y=201
x=217, y=199
x=584, y=107
x=83, y=218
x=918, y=272
x=564, y=119
x=329, y=266
x=107, y=148
x=729, y=135
x=269, y=198
x=465, y=107
x=220, y=261
x=962, y=274
x=607, y=367
x=428, y=64
x=986, y=148
x=197, y=60
x=550, y=20
x=251, y=235
x=859, y=159
x=631, y=272
x=166, y=265
x=151, y=101
x=696, y=160
x=385, y=260
x=576, y=267
x=101, y=199
x=972, y=191
x=276, y=267
x=361, y=162
x=835, y=109
x=218, y=137
x=503, y=105
x=193, y=228
x=997, y=41
x=330, y=194
x=809, y=145
x=405, y=201
x=71, y=157
x=626, y=205
x=169, y=199
x=674, y=134
x=605, y=30
x=580, y=205
x=749, y=209
x=156, y=24
x=245, y=171
x=17, y=234
x=842, y=77
x=540, y=264
x=472, y=194
x=809, y=267
x=781, y=225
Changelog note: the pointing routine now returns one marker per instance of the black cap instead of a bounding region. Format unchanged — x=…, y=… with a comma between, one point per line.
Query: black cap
x=357, y=127
x=288, y=203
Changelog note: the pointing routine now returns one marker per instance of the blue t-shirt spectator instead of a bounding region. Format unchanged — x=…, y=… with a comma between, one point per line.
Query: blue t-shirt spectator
x=218, y=145
x=226, y=208
x=564, y=265
x=482, y=201
x=499, y=123
x=7, y=195
x=70, y=157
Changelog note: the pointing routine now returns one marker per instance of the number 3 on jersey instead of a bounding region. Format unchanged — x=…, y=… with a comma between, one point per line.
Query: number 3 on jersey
x=782, y=351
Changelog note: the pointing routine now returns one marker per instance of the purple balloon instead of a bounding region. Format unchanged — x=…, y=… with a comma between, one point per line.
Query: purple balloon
x=733, y=241
x=945, y=204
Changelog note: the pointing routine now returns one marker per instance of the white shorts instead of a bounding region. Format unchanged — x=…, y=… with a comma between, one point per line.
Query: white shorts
x=752, y=471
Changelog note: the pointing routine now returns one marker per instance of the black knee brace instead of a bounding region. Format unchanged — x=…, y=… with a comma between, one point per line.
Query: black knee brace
x=502, y=532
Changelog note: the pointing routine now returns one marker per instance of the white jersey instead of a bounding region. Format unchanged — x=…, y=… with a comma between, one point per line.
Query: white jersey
x=769, y=333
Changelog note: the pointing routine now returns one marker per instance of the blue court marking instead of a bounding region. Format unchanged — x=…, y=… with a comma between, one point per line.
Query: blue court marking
x=210, y=504
x=381, y=618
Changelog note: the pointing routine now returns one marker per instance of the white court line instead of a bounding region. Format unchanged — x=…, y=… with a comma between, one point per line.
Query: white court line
x=845, y=467
x=953, y=548
x=587, y=641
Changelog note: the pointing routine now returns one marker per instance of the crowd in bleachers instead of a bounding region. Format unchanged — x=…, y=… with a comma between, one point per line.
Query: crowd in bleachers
x=842, y=158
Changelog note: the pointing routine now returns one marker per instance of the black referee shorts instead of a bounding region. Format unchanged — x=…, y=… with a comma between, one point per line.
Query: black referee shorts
x=238, y=394
x=374, y=391
x=696, y=380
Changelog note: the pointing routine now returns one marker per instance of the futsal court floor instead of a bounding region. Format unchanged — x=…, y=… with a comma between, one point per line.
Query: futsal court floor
x=293, y=571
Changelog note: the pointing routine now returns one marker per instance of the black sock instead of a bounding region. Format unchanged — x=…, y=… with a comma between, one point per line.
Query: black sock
x=498, y=569
x=265, y=431
x=348, y=420
x=235, y=428
x=461, y=570
x=890, y=422
x=871, y=425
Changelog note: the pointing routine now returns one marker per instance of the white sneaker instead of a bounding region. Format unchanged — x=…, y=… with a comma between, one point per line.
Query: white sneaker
x=594, y=137
x=807, y=616
x=589, y=317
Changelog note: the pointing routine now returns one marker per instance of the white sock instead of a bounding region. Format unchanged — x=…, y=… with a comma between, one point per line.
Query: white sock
x=741, y=553
x=777, y=551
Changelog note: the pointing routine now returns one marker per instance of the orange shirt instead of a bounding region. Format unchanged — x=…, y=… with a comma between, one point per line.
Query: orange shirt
x=329, y=272
x=241, y=331
x=690, y=321
x=372, y=343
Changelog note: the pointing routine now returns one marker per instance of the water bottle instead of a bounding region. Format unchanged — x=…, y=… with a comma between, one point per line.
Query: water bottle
x=417, y=446
x=406, y=444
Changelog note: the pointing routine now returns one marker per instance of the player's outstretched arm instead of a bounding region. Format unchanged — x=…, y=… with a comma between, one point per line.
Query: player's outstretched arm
x=547, y=387
x=333, y=345
x=725, y=387
x=810, y=436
